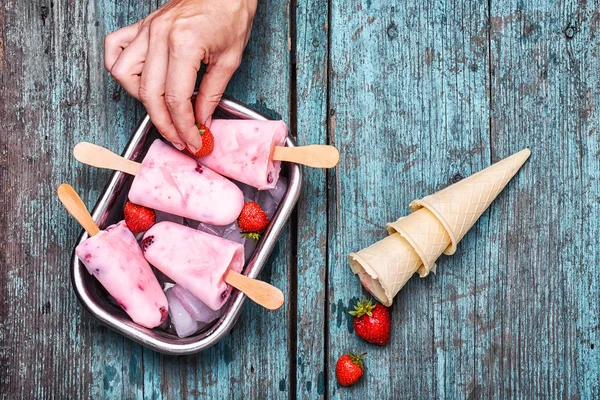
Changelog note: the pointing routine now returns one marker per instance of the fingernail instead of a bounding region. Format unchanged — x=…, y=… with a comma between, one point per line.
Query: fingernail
x=193, y=149
x=179, y=146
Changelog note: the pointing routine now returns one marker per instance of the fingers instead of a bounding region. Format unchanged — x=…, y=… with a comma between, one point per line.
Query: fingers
x=115, y=42
x=179, y=88
x=128, y=67
x=152, y=84
x=213, y=85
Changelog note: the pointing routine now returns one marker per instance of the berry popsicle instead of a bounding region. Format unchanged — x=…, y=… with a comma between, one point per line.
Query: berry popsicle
x=170, y=181
x=251, y=151
x=204, y=264
x=114, y=257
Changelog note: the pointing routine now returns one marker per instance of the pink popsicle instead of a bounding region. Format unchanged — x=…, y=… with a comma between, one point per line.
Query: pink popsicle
x=172, y=182
x=195, y=260
x=114, y=257
x=243, y=150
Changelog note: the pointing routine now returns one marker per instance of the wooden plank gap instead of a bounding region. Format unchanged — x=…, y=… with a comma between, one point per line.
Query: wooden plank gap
x=293, y=285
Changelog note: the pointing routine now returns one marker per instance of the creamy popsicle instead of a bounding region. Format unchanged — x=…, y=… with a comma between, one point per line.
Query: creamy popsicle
x=172, y=182
x=243, y=150
x=114, y=257
x=195, y=260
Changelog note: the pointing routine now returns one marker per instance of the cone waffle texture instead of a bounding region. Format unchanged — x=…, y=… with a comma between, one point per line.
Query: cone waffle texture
x=426, y=234
x=460, y=205
x=385, y=267
x=437, y=224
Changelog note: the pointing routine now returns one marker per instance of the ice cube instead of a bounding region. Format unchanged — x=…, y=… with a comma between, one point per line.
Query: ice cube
x=249, y=246
x=279, y=190
x=191, y=223
x=163, y=216
x=213, y=230
x=248, y=191
x=234, y=234
x=195, y=308
x=182, y=321
x=266, y=201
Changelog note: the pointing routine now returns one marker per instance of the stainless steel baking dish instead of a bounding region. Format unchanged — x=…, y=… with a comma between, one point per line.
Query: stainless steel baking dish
x=108, y=210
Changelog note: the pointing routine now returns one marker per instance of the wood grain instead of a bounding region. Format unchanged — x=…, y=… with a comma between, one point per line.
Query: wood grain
x=415, y=96
x=54, y=94
x=543, y=328
x=418, y=98
x=311, y=101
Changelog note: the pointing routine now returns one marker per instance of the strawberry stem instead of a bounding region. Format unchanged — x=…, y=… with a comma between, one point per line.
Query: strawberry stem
x=251, y=235
x=357, y=359
x=363, y=307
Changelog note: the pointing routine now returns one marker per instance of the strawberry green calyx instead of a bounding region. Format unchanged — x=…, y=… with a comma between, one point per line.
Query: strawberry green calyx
x=251, y=235
x=201, y=129
x=357, y=359
x=363, y=307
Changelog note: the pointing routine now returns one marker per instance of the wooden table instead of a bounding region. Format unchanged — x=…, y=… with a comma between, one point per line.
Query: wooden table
x=415, y=95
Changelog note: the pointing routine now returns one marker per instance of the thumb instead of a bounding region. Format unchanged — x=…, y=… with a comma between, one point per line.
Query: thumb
x=211, y=90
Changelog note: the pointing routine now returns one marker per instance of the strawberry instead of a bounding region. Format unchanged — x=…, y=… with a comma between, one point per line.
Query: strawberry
x=208, y=142
x=252, y=221
x=372, y=322
x=349, y=369
x=138, y=218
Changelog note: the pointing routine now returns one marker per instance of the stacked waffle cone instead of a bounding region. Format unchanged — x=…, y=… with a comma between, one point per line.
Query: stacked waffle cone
x=436, y=225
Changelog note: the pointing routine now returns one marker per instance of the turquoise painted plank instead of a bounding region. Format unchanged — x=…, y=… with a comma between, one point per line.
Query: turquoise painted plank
x=463, y=147
x=311, y=102
x=52, y=96
x=514, y=313
x=409, y=88
x=543, y=319
x=55, y=93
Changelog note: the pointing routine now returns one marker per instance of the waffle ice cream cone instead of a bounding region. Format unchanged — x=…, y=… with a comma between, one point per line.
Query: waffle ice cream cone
x=426, y=235
x=460, y=205
x=436, y=225
x=385, y=267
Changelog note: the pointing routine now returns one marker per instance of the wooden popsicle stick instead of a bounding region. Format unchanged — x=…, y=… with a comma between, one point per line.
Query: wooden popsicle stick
x=74, y=205
x=260, y=292
x=98, y=156
x=315, y=155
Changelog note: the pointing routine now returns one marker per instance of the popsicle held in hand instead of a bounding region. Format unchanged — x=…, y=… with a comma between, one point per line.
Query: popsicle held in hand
x=251, y=151
x=114, y=257
x=170, y=181
x=205, y=265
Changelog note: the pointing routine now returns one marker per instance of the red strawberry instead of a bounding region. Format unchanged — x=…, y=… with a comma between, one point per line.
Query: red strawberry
x=372, y=322
x=138, y=218
x=252, y=220
x=208, y=142
x=349, y=369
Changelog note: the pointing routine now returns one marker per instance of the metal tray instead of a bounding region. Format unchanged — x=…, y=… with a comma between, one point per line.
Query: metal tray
x=108, y=210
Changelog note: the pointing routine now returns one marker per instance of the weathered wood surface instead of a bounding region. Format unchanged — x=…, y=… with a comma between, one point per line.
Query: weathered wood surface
x=55, y=93
x=415, y=95
x=311, y=103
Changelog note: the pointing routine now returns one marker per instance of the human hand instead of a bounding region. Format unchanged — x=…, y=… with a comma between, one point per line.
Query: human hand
x=157, y=59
